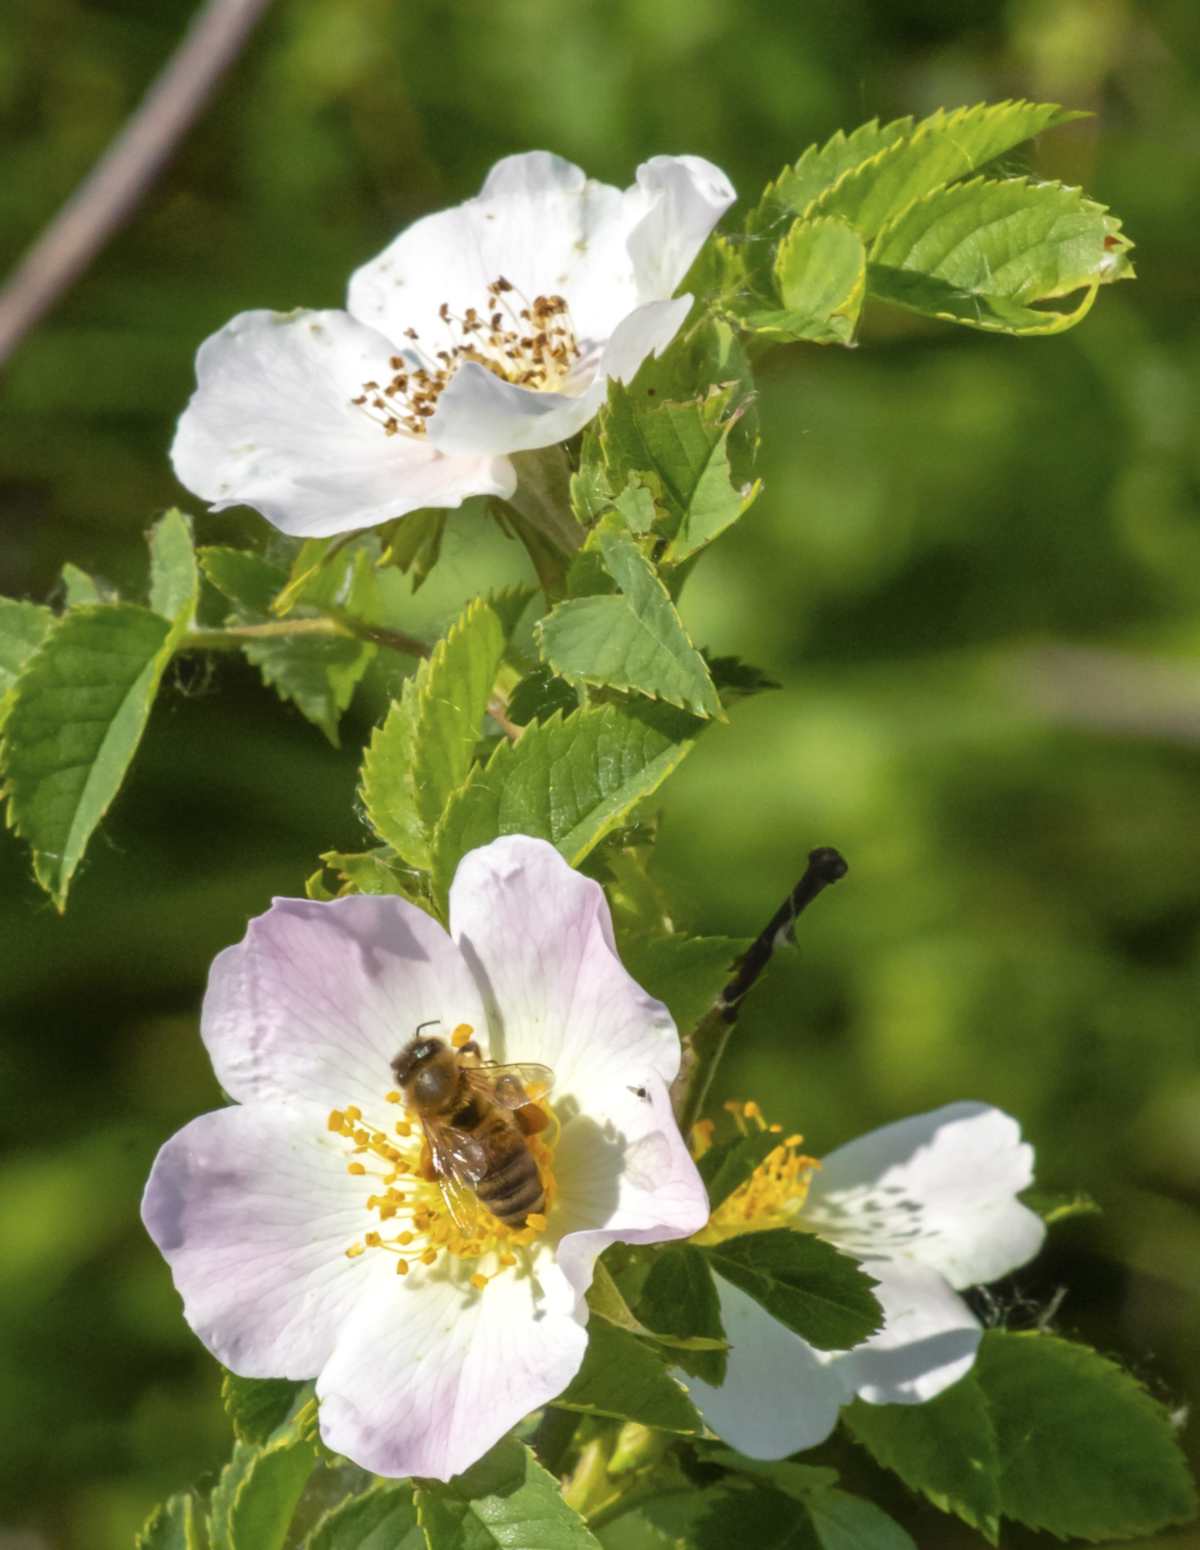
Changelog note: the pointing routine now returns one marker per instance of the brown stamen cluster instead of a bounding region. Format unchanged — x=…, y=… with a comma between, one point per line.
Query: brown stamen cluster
x=534, y=347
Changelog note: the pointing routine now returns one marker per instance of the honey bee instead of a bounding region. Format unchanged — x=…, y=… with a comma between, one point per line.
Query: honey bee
x=476, y=1115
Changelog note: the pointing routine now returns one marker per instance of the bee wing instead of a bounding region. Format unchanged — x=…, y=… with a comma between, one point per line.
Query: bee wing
x=511, y=1087
x=459, y=1162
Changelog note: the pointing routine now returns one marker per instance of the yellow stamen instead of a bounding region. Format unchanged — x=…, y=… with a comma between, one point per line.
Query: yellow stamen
x=478, y=1281
x=401, y=1267
x=356, y=1168
x=355, y=1250
x=536, y=1220
x=392, y=1097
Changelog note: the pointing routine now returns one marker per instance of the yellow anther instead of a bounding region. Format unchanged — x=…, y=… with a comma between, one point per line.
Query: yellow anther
x=794, y=1141
x=405, y=1238
x=401, y=1267
x=751, y=1110
x=461, y=1035
x=404, y=1128
x=373, y=1240
x=355, y=1250
x=392, y=1097
x=353, y=1112
x=508, y=1260
x=361, y=1137
x=429, y=1257
x=336, y=1121
x=536, y=1220
x=776, y=1130
x=356, y=1168
x=478, y=1281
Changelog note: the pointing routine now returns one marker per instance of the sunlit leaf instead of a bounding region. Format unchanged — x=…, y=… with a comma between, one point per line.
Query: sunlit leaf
x=248, y=580
x=256, y=1495
x=687, y=972
x=804, y=1282
x=983, y=253
x=384, y=1518
x=76, y=716
x=175, y=1525
x=631, y=640
x=256, y=1406
x=569, y=780
x=174, y=578
x=506, y=1501
x=820, y=280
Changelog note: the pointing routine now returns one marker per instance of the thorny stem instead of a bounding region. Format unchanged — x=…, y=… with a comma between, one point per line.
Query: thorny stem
x=706, y=1045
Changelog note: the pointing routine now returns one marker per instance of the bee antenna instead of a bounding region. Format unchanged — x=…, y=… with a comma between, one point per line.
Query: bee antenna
x=432, y=1022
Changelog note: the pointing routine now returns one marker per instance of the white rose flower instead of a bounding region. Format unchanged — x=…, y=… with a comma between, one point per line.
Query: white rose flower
x=929, y=1206
x=286, y=1217
x=484, y=330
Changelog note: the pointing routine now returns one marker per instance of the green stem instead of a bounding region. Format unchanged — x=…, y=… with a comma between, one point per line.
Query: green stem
x=333, y=625
x=589, y=1479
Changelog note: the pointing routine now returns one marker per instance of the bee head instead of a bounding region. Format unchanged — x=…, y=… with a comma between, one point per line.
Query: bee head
x=428, y=1072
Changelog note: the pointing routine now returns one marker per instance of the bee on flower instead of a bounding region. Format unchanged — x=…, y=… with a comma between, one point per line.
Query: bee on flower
x=310, y=1230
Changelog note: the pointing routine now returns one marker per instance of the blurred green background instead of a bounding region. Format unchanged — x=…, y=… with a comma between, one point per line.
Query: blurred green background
x=976, y=572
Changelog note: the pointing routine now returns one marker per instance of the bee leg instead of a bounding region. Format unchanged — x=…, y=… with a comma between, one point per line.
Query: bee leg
x=471, y=1048
x=425, y=1165
x=531, y=1118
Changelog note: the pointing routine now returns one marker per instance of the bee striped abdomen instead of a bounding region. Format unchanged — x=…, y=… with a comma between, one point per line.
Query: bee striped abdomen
x=514, y=1189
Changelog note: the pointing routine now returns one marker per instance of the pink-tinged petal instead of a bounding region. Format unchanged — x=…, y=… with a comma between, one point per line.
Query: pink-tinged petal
x=779, y=1394
x=272, y=425
x=647, y=330
x=481, y=412
x=928, y=1341
x=538, y=222
x=538, y=936
x=253, y=1210
x=684, y=197
x=624, y=1175
x=317, y=998
x=939, y=1189
x=429, y=1374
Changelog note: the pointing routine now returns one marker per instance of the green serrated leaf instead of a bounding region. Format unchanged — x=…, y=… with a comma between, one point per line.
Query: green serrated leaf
x=256, y=1406
x=81, y=590
x=820, y=280
x=684, y=450
x=687, y=972
x=318, y=675
x=423, y=751
x=248, y=580
x=1083, y=1450
x=945, y=1448
x=727, y=1165
x=453, y=688
x=174, y=578
x=634, y=640
x=23, y=628
x=256, y=1494
x=985, y=253
x=666, y=1522
x=539, y=695
x=844, y=1522
x=804, y=1282
x=941, y=149
x=76, y=716
x=175, y=1525
x=607, y=1302
x=679, y=1297
x=821, y=166
x=506, y=1501
x=413, y=544
x=368, y=871
x=623, y=1378
x=384, y=1518
x=569, y=780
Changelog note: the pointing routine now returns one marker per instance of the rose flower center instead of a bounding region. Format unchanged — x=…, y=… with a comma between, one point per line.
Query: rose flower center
x=529, y=343
x=775, y=1192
